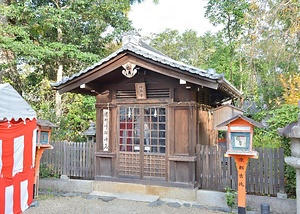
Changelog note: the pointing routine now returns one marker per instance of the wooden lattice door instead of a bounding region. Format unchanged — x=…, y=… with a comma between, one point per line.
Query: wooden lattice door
x=142, y=141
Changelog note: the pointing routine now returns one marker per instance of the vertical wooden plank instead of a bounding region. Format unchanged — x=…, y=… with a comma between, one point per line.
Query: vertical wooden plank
x=84, y=159
x=233, y=174
x=261, y=168
x=68, y=147
x=198, y=166
x=207, y=166
x=225, y=173
x=201, y=170
x=266, y=171
x=65, y=158
x=276, y=167
x=220, y=166
x=76, y=159
x=71, y=150
x=271, y=170
x=211, y=163
x=205, y=155
x=56, y=159
x=250, y=176
x=79, y=169
x=73, y=158
x=256, y=174
x=92, y=162
x=62, y=157
x=214, y=183
x=87, y=156
x=281, y=170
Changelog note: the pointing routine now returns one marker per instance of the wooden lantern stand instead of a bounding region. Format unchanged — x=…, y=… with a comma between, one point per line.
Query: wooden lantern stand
x=44, y=128
x=241, y=162
x=39, y=152
x=239, y=144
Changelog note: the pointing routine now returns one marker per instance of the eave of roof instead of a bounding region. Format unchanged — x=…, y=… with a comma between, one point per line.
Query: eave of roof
x=46, y=123
x=142, y=49
x=249, y=120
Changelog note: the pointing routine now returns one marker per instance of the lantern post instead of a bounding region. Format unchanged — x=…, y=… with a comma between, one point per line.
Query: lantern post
x=239, y=146
x=44, y=129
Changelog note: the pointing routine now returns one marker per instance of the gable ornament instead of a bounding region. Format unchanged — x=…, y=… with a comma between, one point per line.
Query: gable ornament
x=129, y=70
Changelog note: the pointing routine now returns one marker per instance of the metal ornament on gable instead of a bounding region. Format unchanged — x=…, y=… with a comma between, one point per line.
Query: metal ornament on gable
x=129, y=70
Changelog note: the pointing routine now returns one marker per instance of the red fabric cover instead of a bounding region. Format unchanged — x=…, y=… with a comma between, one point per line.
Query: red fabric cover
x=17, y=166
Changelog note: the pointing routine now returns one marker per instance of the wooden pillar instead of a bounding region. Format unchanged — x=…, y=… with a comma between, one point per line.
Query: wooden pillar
x=182, y=135
x=241, y=162
x=39, y=152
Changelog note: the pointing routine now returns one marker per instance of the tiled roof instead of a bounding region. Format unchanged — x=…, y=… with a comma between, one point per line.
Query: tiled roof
x=249, y=120
x=137, y=46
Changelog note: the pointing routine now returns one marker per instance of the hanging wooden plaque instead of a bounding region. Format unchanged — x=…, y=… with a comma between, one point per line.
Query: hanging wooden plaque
x=140, y=90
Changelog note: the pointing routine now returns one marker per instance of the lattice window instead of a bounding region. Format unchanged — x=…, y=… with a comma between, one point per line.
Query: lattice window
x=142, y=127
x=129, y=164
x=154, y=165
x=142, y=134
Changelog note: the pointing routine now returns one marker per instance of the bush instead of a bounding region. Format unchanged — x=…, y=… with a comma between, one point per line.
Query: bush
x=47, y=171
x=230, y=197
x=269, y=137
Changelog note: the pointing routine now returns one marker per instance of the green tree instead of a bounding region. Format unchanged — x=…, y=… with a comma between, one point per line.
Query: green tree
x=49, y=39
x=231, y=15
x=271, y=47
x=207, y=51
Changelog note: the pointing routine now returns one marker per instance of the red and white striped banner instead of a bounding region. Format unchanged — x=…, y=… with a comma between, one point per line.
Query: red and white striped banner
x=17, y=158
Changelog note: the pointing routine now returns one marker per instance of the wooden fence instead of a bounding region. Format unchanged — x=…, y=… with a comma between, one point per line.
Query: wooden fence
x=265, y=175
x=74, y=159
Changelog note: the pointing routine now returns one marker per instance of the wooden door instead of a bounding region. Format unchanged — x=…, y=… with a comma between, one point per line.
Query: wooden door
x=142, y=141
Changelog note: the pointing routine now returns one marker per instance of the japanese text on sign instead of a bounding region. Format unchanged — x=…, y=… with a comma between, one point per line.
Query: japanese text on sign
x=105, y=129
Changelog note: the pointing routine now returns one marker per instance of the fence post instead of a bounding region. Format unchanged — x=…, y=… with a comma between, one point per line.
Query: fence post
x=64, y=175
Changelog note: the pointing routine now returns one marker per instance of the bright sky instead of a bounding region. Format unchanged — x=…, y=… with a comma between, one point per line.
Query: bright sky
x=178, y=15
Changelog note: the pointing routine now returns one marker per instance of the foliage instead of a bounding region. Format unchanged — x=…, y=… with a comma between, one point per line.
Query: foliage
x=47, y=172
x=78, y=110
x=274, y=119
x=38, y=37
x=291, y=94
x=230, y=196
x=231, y=14
x=278, y=118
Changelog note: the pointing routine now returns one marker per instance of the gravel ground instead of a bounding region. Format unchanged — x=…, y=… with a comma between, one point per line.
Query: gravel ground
x=86, y=204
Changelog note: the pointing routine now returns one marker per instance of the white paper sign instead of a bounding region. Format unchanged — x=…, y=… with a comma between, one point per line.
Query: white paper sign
x=105, y=129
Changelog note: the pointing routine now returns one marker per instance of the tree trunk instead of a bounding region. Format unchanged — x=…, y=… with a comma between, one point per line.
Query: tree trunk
x=58, y=96
x=59, y=78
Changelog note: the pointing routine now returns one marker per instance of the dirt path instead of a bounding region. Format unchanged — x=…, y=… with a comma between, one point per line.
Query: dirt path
x=50, y=204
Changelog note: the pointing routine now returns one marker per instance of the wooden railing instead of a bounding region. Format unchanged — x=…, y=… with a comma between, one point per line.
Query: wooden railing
x=265, y=175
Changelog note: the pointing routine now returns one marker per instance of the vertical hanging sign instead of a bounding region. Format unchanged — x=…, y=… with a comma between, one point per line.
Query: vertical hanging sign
x=105, y=129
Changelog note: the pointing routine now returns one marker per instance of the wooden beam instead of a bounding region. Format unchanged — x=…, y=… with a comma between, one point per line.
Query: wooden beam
x=93, y=74
x=123, y=58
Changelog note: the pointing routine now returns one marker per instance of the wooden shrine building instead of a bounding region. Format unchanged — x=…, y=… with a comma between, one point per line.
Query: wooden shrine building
x=151, y=113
